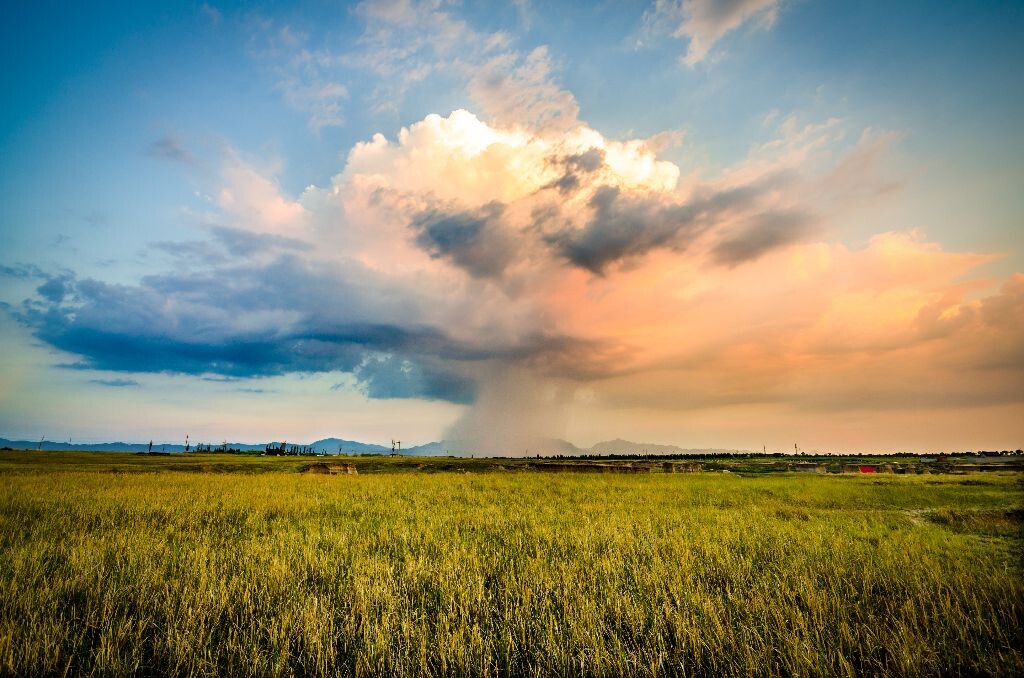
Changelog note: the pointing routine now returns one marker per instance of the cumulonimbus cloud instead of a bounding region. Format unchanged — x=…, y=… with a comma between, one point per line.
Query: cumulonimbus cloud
x=462, y=256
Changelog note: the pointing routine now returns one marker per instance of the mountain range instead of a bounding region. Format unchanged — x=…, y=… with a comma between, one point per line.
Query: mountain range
x=543, y=446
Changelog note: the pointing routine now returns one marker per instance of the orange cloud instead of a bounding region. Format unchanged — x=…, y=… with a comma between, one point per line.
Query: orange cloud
x=593, y=264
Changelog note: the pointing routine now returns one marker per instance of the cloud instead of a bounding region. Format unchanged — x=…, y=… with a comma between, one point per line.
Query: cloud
x=764, y=233
x=520, y=90
x=403, y=44
x=584, y=162
x=506, y=266
x=56, y=287
x=173, y=148
x=320, y=99
x=255, y=202
x=114, y=383
x=22, y=271
x=475, y=241
x=508, y=256
x=821, y=328
x=311, y=80
x=625, y=227
x=390, y=376
x=705, y=22
x=241, y=321
x=229, y=322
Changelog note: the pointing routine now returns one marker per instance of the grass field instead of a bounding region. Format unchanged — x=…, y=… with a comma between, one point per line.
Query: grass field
x=113, y=564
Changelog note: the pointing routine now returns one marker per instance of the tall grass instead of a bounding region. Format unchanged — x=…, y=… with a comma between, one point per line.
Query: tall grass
x=448, y=574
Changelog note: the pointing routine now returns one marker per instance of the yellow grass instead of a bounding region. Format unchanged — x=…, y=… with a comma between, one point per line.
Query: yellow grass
x=284, y=573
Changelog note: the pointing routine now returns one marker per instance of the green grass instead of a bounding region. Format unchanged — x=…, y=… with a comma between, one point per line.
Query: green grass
x=130, y=566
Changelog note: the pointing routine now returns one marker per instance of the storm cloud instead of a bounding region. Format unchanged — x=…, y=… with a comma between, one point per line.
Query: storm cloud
x=475, y=241
x=575, y=165
x=393, y=376
x=530, y=276
x=764, y=233
x=263, y=320
x=623, y=226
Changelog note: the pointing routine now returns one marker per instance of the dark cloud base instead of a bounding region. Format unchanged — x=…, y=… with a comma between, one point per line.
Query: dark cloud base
x=222, y=324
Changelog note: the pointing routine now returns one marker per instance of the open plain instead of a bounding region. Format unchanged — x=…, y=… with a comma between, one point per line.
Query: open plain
x=119, y=563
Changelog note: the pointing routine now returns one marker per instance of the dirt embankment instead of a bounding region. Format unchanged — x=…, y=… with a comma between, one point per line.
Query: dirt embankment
x=332, y=469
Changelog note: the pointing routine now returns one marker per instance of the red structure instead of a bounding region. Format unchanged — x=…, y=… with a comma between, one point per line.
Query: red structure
x=867, y=469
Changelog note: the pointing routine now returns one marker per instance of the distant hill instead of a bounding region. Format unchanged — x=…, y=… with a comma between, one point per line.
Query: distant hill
x=619, y=446
x=523, y=447
x=438, y=449
x=333, y=445
x=52, y=445
x=328, y=445
x=531, y=446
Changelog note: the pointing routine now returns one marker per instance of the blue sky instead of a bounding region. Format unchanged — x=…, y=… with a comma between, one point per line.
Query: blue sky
x=136, y=134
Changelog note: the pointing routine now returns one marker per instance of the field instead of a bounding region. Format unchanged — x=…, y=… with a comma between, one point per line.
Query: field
x=113, y=564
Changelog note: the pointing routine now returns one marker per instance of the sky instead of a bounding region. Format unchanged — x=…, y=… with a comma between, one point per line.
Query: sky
x=740, y=224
